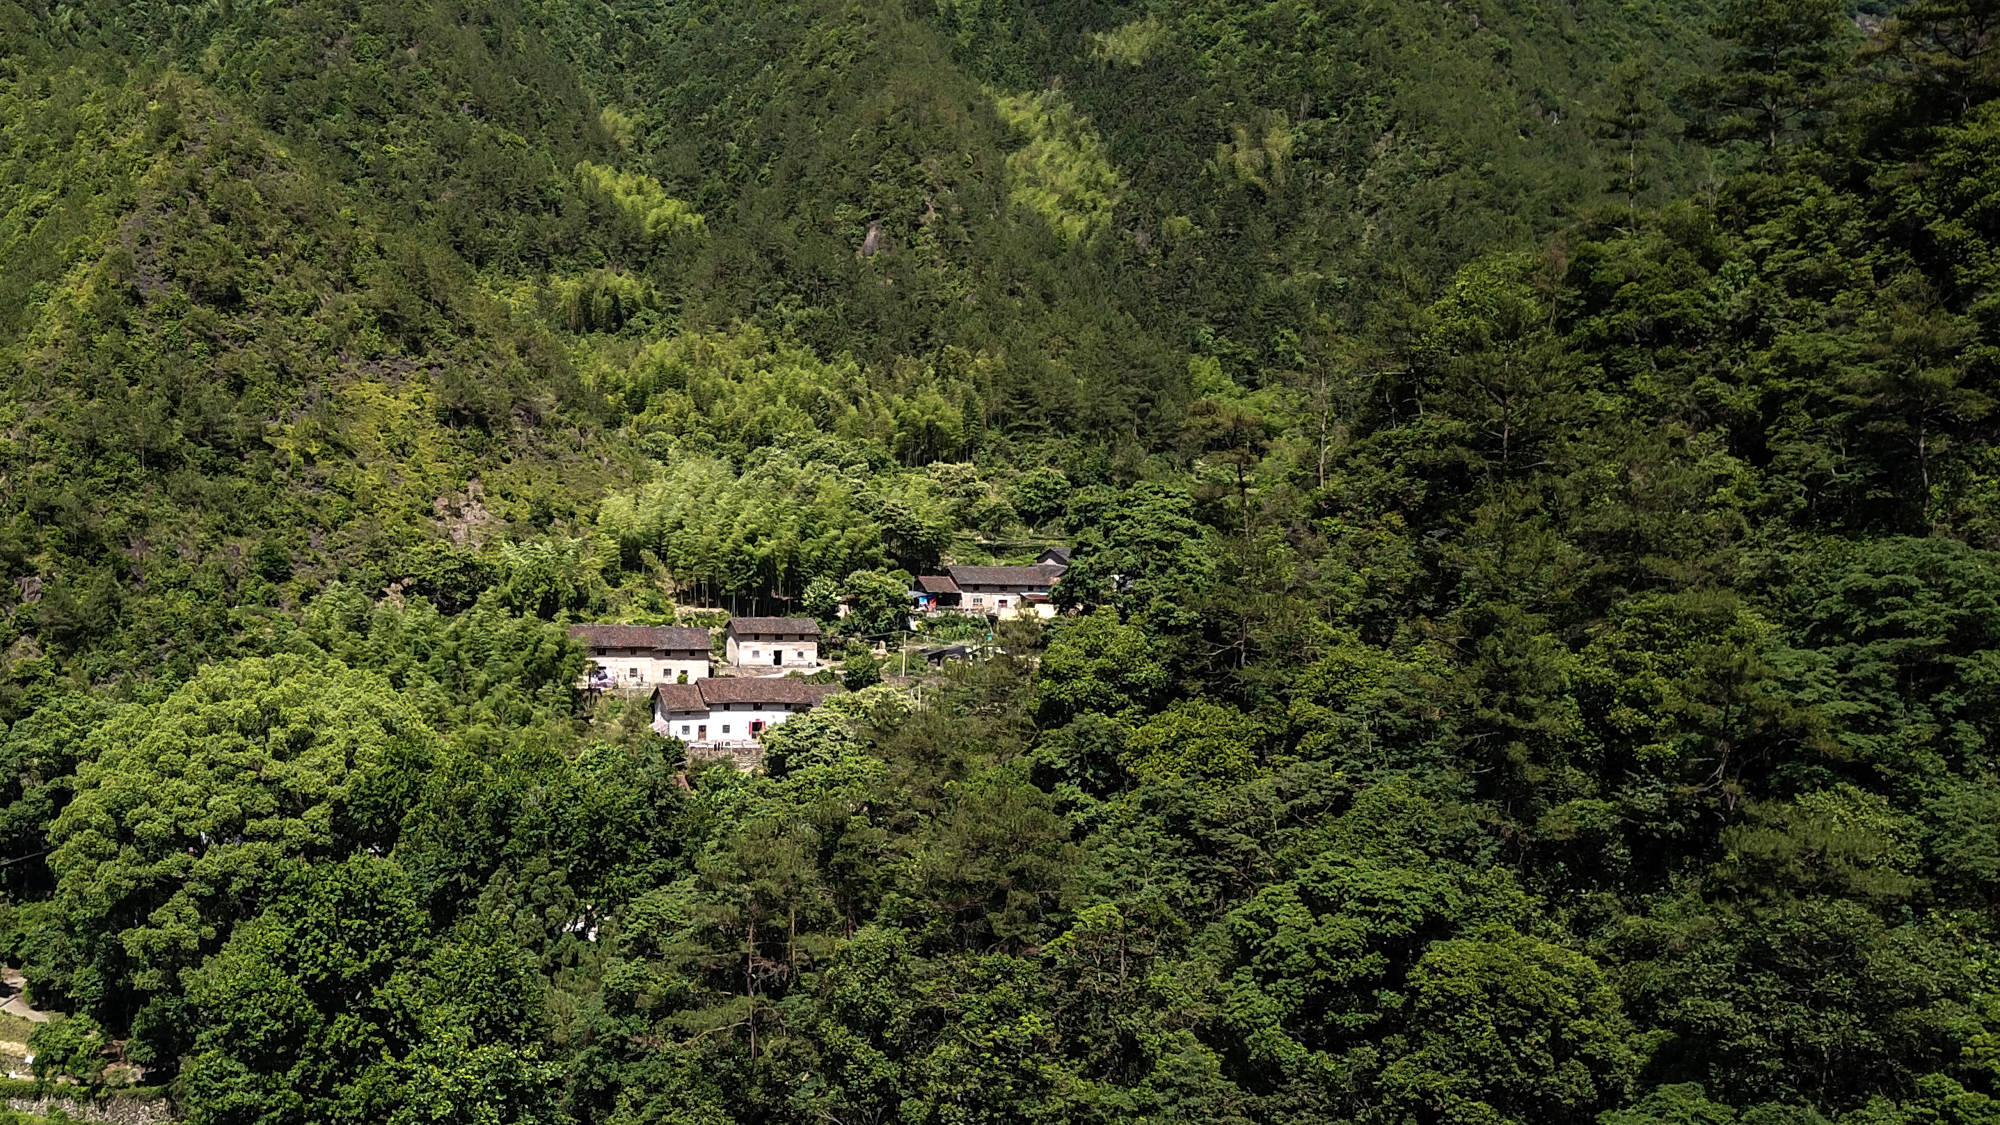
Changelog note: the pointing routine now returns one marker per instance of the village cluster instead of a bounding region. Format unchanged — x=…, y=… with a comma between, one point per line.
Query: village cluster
x=727, y=709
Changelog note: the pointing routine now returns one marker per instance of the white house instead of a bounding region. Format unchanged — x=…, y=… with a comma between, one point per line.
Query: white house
x=729, y=713
x=635, y=657
x=1006, y=591
x=777, y=642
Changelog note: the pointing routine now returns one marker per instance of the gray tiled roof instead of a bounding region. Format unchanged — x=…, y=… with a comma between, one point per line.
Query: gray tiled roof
x=665, y=638
x=703, y=694
x=1015, y=577
x=761, y=625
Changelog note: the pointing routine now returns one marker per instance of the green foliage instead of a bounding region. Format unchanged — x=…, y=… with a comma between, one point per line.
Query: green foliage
x=71, y=1048
x=1095, y=665
x=658, y=215
x=41, y=756
x=1514, y=1030
x=1142, y=552
x=1901, y=626
x=1526, y=654
x=185, y=812
x=335, y=1004
x=1258, y=151
x=1195, y=740
x=1688, y=1104
x=1063, y=173
x=877, y=601
x=1783, y=59
x=1040, y=495
x=550, y=577
x=770, y=530
x=861, y=669
x=1130, y=44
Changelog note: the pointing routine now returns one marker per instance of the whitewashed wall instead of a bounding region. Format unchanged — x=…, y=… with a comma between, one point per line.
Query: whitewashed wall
x=736, y=717
x=635, y=672
x=752, y=653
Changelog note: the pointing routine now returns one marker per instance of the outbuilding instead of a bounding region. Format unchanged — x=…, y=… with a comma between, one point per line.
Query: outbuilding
x=777, y=642
x=940, y=654
x=934, y=593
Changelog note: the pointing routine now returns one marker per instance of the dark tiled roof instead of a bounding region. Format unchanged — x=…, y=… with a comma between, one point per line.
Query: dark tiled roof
x=1057, y=555
x=742, y=625
x=1016, y=577
x=670, y=638
x=768, y=689
x=680, y=697
x=936, y=584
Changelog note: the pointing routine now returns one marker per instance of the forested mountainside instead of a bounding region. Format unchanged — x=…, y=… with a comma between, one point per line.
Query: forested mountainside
x=289, y=279
x=1528, y=653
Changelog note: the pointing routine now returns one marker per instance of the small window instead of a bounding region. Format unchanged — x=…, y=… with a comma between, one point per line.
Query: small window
x=725, y=728
x=684, y=730
x=638, y=676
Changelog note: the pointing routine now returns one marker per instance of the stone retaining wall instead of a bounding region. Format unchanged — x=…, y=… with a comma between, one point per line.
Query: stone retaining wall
x=745, y=756
x=110, y=1111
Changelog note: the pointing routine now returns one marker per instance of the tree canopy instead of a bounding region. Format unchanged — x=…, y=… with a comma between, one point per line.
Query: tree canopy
x=1526, y=653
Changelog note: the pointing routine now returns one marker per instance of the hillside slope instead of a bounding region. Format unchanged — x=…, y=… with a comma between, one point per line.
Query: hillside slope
x=300, y=292
x=1527, y=655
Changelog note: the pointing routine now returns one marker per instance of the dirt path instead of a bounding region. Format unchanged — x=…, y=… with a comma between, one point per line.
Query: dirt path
x=16, y=1002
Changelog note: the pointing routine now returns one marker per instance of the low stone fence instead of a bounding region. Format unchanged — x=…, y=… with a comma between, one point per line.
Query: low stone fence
x=111, y=1111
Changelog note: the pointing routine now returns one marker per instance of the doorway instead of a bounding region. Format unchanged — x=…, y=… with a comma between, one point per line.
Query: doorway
x=701, y=733
x=777, y=656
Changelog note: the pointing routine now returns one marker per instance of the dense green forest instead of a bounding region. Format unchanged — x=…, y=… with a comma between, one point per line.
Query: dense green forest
x=1531, y=653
